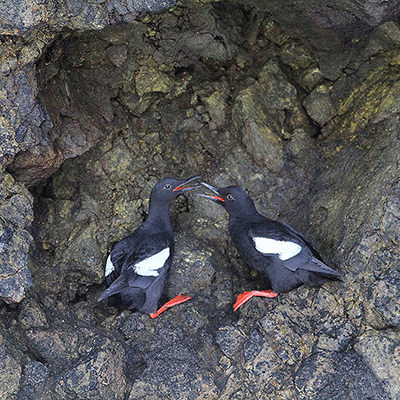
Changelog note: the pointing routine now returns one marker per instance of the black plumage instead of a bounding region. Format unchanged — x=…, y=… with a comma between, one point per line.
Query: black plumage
x=137, y=267
x=273, y=248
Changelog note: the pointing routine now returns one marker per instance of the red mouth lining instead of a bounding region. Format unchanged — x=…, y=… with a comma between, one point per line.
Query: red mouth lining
x=180, y=188
x=214, y=197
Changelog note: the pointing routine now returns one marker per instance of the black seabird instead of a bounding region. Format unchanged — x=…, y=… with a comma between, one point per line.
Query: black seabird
x=273, y=248
x=137, y=267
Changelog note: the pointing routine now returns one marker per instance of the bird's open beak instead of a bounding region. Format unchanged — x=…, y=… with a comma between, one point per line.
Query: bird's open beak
x=181, y=187
x=213, y=189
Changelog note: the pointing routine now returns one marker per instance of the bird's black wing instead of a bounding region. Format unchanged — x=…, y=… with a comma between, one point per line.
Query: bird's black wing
x=118, y=255
x=306, y=258
x=269, y=228
x=296, y=233
x=137, y=271
x=150, y=247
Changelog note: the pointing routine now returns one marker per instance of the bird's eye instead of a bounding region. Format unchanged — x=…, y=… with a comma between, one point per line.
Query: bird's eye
x=167, y=186
x=230, y=197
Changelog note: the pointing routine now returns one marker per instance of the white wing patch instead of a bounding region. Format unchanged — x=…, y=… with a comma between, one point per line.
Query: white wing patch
x=109, y=266
x=150, y=265
x=285, y=249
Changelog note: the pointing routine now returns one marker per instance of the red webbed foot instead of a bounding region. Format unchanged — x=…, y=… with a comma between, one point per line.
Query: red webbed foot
x=173, y=302
x=246, y=296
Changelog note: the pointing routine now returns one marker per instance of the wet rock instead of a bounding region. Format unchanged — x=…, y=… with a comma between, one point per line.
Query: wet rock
x=319, y=106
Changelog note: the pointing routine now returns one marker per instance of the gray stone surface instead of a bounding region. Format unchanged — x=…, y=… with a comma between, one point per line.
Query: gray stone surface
x=319, y=105
x=94, y=113
x=340, y=15
x=16, y=215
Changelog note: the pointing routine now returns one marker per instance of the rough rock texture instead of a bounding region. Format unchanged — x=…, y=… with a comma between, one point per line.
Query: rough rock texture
x=16, y=215
x=351, y=16
x=95, y=112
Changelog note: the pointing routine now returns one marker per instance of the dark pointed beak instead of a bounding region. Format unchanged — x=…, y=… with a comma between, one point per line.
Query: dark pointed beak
x=182, y=186
x=217, y=199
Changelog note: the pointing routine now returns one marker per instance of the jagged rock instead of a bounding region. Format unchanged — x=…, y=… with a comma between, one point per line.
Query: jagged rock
x=117, y=54
x=265, y=125
x=32, y=316
x=383, y=306
x=230, y=339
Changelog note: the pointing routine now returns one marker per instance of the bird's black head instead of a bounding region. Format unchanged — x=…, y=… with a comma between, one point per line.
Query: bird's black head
x=234, y=199
x=169, y=188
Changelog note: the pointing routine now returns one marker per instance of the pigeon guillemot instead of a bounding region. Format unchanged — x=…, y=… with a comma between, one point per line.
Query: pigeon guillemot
x=137, y=267
x=273, y=248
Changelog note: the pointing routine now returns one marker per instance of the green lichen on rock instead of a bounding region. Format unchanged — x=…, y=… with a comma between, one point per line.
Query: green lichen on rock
x=263, y=125
x=369, y=101
x=149, y=79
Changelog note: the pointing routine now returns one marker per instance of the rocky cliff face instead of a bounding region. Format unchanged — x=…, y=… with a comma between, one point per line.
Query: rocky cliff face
x=101, y=99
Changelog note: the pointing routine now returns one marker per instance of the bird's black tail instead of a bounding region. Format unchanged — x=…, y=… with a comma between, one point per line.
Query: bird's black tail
x=117, y=286
x=316, y=265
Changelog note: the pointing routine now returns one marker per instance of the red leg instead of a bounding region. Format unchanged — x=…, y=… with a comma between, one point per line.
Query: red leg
x=173, y=302
x=246, y=296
